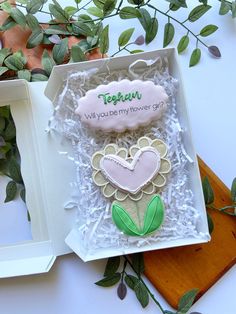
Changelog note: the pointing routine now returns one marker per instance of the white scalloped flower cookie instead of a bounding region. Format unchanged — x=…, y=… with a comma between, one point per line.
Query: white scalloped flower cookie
x=123, y=173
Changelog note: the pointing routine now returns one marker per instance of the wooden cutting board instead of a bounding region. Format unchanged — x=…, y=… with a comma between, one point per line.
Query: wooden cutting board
x=177, y=270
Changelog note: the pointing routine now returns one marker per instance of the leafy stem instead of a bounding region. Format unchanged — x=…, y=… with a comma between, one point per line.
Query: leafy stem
x=224, y=209
x=177, y=21
x=121, y=49
x=143, y=282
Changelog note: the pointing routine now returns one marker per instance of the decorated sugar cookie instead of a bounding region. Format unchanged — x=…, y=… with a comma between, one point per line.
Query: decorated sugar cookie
x=132, y=177
x=123, y=105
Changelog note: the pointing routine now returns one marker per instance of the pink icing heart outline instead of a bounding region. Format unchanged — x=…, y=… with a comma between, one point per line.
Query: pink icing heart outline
x=131, y=176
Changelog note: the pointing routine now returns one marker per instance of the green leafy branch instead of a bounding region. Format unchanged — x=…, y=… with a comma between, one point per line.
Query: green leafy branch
x=135, y=282
x=85, y=21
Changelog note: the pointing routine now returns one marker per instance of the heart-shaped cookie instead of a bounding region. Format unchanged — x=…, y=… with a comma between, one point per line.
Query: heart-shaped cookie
x=134, y=175
x=123, y=173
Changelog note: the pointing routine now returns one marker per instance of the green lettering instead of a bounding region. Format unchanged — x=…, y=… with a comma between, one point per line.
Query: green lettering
x=107, y=98
x=104, y=96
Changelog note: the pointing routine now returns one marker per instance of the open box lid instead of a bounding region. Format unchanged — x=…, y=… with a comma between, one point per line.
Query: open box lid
x=50, y=223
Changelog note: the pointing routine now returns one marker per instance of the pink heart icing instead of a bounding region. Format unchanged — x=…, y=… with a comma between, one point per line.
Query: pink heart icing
x=131, y=176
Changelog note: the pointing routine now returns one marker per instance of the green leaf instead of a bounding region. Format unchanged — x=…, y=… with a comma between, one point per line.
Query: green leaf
x=18, y=16
x=125, y=37
x=32, y=22
x=99, y=3
x=233, y=190
x=14, y=170
x=141, y=294
x=22, y=1
x=38, y=77
x=92, y=41
x=174, y=7
x=33, y=6
x=145, y=19
x=4, y=52
x=233, y=9
x=129, y=13
x=169, y=32
x=19, y=54
x=109, y=6
x=95, y=11
x=136, y=2
x=112, y=266
x=224, y=7
x=60, y=51
x=207, y=191
x=210, y=223
x=11, y=190
x=154, y=215
x=77, y=54
x=2, y=124
x=8, y=23
x=35, y=38
x=195, y=57
x=85, y=17
x=104, y=40
x=186, y=301
x=208, y=30
x=81, y=28
x=84, y=46
x=138, y=263
x=70, y=10
x=131, y=281
x=47, y=62
x=59, y=14
x=180, y=3
x=183, y=43
x=3, y=70
x=22, y=194
x=56, y=30
x=123, y=221
x=198, y=12
x=152, y=30
x=5, y=112
x=10, y=131
x=109, y=280
x=24, y=74
x=6, y=148
x=6, y=7
x=169, y=312
x=136, y=51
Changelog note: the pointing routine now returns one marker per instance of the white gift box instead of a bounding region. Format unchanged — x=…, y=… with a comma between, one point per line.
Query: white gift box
x=47, y=174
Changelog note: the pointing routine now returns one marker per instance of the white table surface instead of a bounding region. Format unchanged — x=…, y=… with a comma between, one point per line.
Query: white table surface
x=210, y=92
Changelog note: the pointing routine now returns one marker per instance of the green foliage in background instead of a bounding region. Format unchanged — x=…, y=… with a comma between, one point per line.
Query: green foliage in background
x=90, y=21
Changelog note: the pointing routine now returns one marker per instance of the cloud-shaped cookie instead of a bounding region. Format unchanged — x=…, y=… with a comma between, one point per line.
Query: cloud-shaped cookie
x=122, y=105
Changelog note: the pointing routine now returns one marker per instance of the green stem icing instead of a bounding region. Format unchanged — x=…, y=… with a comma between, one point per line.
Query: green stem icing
x=153, y=218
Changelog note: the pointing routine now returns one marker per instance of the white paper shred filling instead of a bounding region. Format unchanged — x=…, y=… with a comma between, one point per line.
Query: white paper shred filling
x=94, y=221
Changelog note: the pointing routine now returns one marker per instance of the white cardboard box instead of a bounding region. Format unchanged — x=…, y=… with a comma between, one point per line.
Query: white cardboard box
x=47, y=174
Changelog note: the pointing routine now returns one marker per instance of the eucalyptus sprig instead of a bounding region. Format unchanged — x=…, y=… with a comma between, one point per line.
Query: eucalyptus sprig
x=86, y=20
x=136, y=283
